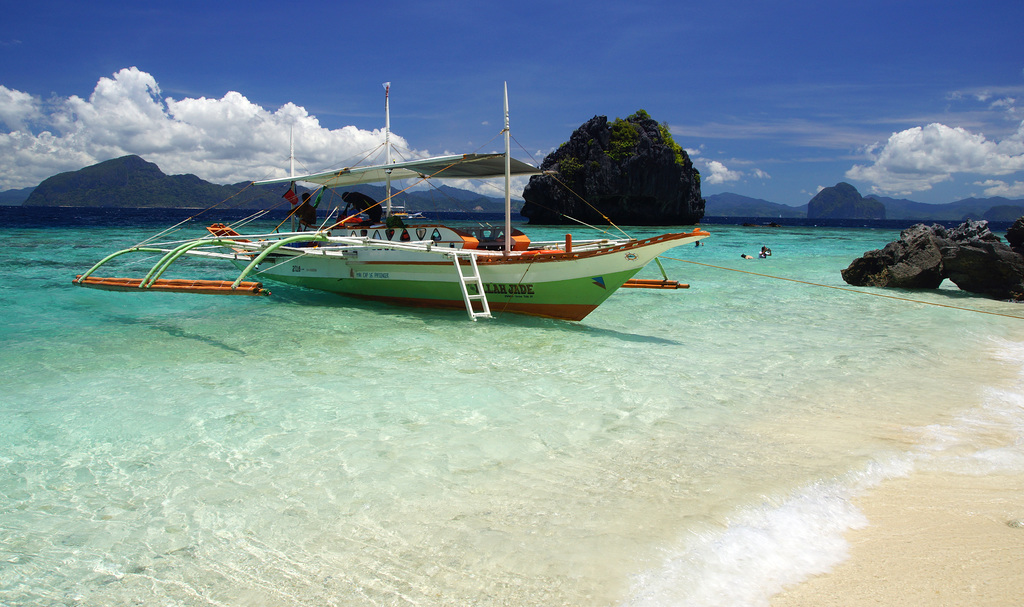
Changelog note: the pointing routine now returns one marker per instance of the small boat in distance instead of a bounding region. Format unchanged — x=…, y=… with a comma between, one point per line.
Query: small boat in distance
x=485, y=270
x=406, y=215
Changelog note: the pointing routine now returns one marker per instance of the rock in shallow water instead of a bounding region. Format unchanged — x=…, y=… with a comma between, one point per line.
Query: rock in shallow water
x=970, y=255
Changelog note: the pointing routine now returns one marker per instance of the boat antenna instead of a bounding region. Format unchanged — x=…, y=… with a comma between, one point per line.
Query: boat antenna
x=508, y=179
x=387, y=150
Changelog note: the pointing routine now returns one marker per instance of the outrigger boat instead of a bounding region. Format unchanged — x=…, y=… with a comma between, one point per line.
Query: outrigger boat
x=484, y=270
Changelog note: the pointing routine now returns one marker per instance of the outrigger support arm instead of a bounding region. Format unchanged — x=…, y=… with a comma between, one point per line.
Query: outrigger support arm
x=166, y=261
x=174, y=254
x=117, y=254
x=317, y=237
x=662, y=268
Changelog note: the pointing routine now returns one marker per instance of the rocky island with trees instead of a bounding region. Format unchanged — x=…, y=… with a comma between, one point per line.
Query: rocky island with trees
x=627, y=171
x=843, y=201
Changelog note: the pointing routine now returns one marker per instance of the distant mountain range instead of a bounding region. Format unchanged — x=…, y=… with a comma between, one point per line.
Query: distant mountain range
x=131, y=182
x=13, y=198
x=996, y=208
x=992, y=209
x=728, y=204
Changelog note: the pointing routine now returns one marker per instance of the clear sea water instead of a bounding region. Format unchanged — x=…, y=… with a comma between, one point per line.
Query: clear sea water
x=692, y=447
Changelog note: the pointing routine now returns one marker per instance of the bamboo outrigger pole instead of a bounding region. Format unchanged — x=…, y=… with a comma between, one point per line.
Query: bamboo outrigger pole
x=172, y=285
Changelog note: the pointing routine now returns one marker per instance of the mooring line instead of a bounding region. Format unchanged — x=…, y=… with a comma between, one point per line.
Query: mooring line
x=815, y=284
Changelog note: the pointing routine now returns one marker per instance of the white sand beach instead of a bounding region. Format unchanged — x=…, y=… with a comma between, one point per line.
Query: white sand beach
x=936, y=539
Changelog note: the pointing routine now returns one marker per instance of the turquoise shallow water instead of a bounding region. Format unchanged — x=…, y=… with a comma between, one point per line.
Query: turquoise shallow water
x=694, y=447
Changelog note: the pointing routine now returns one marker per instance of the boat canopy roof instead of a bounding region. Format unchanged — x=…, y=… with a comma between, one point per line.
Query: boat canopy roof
x=461, y=166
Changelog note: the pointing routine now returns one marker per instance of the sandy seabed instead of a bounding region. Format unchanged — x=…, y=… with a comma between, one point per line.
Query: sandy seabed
x=935, y=539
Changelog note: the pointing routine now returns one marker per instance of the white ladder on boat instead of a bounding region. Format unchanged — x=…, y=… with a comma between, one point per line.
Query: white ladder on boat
x=473, y=278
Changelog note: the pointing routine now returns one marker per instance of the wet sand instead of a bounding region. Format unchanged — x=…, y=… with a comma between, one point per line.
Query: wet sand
x=933, y=539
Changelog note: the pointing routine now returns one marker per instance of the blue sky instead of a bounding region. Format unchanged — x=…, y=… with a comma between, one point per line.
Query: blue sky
x=923, y=100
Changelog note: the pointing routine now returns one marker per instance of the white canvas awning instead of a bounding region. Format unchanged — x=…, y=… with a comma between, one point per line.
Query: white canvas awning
x=463, y=166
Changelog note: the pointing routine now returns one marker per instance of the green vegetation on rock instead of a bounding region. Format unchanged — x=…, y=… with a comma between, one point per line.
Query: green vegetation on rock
x=569, y=166
x=666, y=136
x=624, y=139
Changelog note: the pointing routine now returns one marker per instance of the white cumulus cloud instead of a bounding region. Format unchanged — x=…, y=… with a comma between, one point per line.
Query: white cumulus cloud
x=715, y=172
x=918, y=158
x=17, y=108
x=720, y=173
x=226, y=140
x=996, y=187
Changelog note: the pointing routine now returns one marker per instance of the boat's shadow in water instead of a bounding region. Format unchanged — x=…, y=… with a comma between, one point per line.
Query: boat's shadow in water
x=458, y=318
x=173, y=330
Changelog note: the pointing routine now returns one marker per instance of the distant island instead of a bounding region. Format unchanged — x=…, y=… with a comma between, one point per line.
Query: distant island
x=133, y=183
x=846, y=204
x=843, y=201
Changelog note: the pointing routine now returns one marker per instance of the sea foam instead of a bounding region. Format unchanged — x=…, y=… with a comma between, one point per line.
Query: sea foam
x=764, y=548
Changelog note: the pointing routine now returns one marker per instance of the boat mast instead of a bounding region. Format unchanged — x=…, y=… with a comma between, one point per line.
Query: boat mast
x=387, y=149
x=291, y=151
x=508, y=180
x=291, y=167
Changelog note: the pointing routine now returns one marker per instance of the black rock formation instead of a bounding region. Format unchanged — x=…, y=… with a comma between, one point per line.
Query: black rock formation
x=970, y=255
x=628, y=171
x=1015, y=236
x=912, y=262
x=843, y=201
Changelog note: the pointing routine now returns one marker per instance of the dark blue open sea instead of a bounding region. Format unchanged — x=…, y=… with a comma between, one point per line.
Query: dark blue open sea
x=692, y=447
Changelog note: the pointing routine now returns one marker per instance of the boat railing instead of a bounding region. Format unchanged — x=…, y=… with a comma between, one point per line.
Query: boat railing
x=579, y=246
